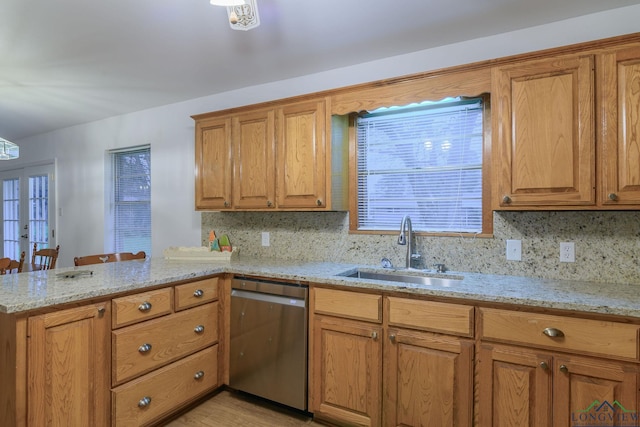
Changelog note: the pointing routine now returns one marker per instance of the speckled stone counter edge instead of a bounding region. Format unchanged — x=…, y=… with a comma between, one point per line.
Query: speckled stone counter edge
x=29, y=291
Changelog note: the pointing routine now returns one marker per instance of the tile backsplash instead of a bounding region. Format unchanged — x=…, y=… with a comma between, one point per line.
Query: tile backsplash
x=607, y=244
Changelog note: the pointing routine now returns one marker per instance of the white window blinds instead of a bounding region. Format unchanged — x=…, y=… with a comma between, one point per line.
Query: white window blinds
x=424, y=161
x=132, y=200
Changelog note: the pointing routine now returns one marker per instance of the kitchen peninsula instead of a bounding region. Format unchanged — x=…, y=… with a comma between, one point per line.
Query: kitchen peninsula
x=498, y=316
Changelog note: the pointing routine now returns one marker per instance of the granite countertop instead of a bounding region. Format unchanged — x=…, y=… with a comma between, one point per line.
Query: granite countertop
x=29, y=291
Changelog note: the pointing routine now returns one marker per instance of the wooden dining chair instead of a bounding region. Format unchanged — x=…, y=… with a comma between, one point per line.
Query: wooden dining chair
x=15, y=265
x=104, y=258
x=44, y=259
x=4, y=265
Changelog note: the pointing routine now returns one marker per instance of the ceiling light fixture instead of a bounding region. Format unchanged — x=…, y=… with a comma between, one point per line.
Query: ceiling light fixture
x=245, y=16
x=8, y=150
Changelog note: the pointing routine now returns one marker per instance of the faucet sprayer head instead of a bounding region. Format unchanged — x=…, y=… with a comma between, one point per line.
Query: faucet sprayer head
x=402, y=238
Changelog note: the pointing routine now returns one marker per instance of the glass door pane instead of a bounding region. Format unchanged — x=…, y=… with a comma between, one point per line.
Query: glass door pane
x=11, y=217
x=27, y=211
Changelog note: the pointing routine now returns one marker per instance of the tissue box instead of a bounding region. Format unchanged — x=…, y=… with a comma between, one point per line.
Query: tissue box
x=199, y=253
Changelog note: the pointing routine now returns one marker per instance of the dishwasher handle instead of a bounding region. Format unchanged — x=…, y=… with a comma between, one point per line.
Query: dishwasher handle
x=274, y=299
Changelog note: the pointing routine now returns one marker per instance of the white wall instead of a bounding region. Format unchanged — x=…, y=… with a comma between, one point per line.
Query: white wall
x=80, y=150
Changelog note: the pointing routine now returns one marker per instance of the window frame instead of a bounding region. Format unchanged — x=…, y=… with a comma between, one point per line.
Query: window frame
x=110, y=195
x=487, y=213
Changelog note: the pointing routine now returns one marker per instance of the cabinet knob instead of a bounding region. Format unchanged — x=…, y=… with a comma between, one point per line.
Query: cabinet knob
x=269, y=204
x=144, y=307
x=506, y=199
x=145, y=348
x=198, y=293
x=374, y=335
x=544, y=365
x=226, y=204
x=319, y=202
x=613, y=196
x=553, y=332
x=101, y=311
x=144, y=402
x=198, y=375
x=198, y=329
x=392, y=338
x=564, y=369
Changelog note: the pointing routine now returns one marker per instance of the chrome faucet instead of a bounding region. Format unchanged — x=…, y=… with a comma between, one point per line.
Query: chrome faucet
x=406, y=238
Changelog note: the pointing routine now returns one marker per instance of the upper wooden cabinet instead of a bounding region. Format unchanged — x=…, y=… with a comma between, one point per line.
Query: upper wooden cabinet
x=254, y=184
x=213, y=163
x=543, y=130
x=619, y=95
x=279, y=157
x=302, y=161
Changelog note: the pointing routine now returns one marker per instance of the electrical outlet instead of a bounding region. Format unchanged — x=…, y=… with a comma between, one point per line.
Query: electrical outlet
x=514, y=250
x=265, y=238
x=567, y=252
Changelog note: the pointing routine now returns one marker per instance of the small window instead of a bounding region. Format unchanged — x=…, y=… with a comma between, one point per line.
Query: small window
x=130, y=207
x=425, y=161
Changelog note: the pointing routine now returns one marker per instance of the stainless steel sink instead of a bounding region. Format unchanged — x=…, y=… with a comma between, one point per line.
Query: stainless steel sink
x=420, y=279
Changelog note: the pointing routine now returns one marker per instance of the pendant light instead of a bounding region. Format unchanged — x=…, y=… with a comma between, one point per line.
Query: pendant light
x=8, y=150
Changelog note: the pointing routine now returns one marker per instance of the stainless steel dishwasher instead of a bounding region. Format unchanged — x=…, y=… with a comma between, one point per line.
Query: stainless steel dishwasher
x=268, y=350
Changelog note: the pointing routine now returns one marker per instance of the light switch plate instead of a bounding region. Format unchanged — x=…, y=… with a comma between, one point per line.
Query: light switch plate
x=514, y=250
x=265, y=238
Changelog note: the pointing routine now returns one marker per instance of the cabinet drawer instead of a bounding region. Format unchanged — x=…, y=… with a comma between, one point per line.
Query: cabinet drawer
x=353, y=305
x=431, y=316
x=577, y=335
x=143, y=306
x=140, y=348
x=196, y=293
x=166, y=389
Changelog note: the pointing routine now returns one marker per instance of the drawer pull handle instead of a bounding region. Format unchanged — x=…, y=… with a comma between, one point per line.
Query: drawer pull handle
x=144, y=348
x=553, y=332
x=198, y=375
x=544, y=365
x=392, y=338
x=564, y=368
x=198, y=293
x=144, y=402
x=144, y=307
x=198, y=329
x=374, y=335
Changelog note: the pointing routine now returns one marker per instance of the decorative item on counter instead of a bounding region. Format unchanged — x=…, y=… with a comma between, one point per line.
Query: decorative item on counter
x=225, y=244
x=214, y=244
x=202, y=253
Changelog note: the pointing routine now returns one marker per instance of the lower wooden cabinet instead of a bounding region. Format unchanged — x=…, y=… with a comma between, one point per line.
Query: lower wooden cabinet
x=347, y=371
x=370, y=373
x=152, y=396
x=68, y=367
x=526, y=387
x=428, y=379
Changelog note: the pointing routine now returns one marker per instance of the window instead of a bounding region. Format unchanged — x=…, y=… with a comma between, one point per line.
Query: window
x=425, y=161
x=130, y=207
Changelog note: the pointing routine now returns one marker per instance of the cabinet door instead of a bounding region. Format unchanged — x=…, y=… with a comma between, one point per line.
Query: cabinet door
x=302, y=158
x=69, y=370
x=213, y=164
x=514, y=387
x=586, y=389
x=544, y=133
x=428, y=380
x=347, y=369
x=620, y=115
x=254, y=149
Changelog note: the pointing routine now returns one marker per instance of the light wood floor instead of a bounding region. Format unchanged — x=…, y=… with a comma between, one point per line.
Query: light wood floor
x=229, y=409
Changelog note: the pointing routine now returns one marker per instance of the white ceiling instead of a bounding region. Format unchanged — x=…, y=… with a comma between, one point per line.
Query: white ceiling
x=66, y=62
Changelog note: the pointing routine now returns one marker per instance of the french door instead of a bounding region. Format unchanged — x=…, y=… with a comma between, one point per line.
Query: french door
x=28, y=209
